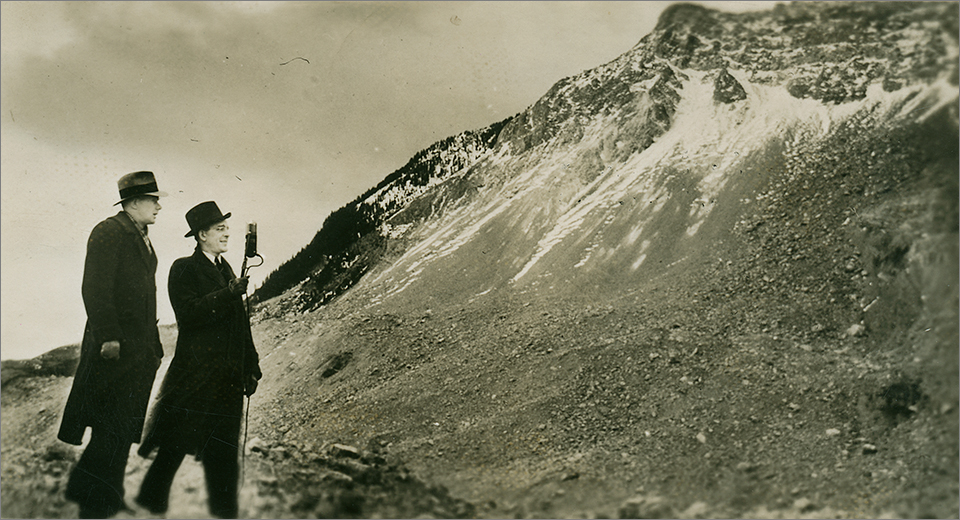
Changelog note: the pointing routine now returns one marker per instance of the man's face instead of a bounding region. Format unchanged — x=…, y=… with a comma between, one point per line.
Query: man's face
x=214, y=239
x=144, y=210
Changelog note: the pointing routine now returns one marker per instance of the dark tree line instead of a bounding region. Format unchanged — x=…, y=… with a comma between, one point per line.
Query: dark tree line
x=329, y=262
x=340, y=230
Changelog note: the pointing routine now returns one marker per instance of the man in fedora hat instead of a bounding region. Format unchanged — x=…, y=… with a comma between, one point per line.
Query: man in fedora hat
x=120, y=352
x=200, y=405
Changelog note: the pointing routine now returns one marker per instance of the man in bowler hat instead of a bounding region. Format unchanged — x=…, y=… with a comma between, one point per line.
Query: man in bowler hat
x=120, y=352
x=200, y=405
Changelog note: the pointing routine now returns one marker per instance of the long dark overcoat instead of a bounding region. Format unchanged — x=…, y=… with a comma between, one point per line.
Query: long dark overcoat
x=120, y=295
x=202, y=393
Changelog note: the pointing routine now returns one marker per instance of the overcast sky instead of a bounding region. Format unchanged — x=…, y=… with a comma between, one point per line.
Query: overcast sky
x=281, y=112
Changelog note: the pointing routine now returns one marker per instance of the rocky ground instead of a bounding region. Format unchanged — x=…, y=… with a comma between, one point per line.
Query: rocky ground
x=666, y=420
x=624, y=407
x=280, y=481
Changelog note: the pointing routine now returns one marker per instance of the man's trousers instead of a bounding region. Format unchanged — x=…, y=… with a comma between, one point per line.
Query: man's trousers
x=220, y=470
x=96, y=482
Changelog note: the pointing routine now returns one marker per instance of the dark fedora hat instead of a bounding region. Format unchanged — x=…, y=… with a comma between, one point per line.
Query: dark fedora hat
x=204, y=215
x=138, y=184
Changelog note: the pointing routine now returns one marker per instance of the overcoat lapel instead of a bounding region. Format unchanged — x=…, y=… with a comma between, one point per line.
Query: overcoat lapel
x=149, y=257
x=207, y=268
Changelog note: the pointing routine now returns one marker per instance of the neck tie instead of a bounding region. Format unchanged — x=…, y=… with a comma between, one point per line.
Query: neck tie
x=222, y=267
x=146, y=239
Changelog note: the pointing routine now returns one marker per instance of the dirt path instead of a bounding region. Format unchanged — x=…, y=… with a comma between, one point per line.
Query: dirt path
x=279, y=481
x=40, y=464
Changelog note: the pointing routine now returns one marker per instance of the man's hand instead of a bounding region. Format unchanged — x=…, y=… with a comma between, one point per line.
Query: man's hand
x=251, y=386
x=238, y=286
x=110, y=350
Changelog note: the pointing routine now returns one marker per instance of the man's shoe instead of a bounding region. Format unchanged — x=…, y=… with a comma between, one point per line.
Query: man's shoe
x=126, y=509
x=93, y=512
x=103, y=512
x=157, y=509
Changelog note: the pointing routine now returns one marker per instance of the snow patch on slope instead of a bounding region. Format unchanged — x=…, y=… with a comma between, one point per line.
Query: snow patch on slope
x=707, y=140
x=712, y=138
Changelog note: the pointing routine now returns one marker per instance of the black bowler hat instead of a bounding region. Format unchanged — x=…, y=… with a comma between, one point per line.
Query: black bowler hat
x=138, y=184
x=204, y=215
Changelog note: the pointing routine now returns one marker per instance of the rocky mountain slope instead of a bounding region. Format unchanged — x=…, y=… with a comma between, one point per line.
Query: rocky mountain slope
x=715, y=277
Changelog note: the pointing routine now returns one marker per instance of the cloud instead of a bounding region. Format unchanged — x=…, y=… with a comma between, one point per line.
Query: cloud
x=206, y=81
x=23, y=22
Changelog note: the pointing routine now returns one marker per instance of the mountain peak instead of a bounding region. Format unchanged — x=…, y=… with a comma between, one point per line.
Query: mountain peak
x=694, y=17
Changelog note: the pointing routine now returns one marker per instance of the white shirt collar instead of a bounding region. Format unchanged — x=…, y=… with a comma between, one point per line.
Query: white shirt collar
x=213, y=258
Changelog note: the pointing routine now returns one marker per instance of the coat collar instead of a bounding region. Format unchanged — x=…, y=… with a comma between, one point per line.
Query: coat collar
x=207, y=267
x=127, y=223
